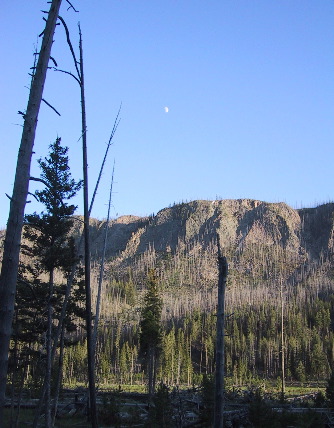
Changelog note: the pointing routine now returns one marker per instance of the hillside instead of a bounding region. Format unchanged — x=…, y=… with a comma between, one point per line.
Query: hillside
x=266, y=244
x=276, y=255
x=262, y=241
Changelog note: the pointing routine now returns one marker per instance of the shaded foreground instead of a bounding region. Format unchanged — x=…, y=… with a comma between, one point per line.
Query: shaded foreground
x=253, y=407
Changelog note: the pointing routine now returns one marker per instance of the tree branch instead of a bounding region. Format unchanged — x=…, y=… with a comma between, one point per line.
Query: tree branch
x=116, y=123
x=29, y=193
x=71, y=6
x=67, y=72
x=22, y=281
x=40, y=180
x=70, y=46
x=48, y=104
x=46, y=184
x=54, y=61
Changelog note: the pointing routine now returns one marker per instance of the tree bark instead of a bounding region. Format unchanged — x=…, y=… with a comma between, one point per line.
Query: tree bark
x=282, y=346
x=90, y=345
x=150, y=370
x=220, y=357
x=48, y=353
x=98, y=300
x=59, y=375
x=12, y=242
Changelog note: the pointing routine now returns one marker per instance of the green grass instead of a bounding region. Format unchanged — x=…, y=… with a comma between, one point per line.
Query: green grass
x=140, y=388
x=125, y=388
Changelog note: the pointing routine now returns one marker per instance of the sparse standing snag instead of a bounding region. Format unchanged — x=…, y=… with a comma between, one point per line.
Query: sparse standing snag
x=8, y=278
x=220, y=364
x=90, y=345
x=282, y=344
x=98, y=299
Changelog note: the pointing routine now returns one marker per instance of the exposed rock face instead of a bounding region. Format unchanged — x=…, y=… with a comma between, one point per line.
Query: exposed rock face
x=254, y=235
x=240, y=223
x=263, y=242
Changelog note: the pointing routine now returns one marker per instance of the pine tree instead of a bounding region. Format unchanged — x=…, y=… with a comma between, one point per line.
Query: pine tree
x=161, y=413
x=151, y=330
x=330, y=391
x=48, y=233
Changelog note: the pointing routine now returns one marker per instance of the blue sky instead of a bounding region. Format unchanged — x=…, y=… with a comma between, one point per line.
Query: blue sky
x=249, y=85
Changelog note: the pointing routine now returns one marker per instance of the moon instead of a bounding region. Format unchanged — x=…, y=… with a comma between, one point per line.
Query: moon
x=166, y=109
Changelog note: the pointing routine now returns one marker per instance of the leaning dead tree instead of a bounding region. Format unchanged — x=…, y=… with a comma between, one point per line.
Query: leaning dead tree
x=220, y=356
x=9, y=270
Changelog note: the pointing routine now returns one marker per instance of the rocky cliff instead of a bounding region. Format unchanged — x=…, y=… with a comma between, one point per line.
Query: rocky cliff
x=262, y=241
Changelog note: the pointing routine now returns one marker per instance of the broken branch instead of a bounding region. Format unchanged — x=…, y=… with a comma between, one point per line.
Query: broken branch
x=48, y=104
x=71, y=6
x=70, y=45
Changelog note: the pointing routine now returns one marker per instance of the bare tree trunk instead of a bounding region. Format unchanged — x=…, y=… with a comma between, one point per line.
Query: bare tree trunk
x=48, y=368
x=220, y=363
x=90, y=347
x=150, y=370
x=19, y=398
x=15, y=370
x=282, y=345
x=98, y=300
x=59, y=376
x=12, y=243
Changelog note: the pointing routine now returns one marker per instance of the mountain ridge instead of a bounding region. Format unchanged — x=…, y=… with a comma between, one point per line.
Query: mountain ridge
x=262, y=241
x=243, y=221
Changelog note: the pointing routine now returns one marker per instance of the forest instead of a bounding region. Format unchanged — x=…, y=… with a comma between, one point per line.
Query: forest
x=130, y=303
x=160, y=305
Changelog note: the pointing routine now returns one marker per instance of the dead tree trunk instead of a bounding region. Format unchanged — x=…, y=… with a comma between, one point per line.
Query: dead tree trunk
x=99, y=292
x=220, y=357
x=12, y=243
x=48, y=369
x=90, y=346
x=282, y=346
x=59, y=375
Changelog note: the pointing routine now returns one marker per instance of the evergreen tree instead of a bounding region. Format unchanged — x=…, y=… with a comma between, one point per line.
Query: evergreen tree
x=151, y=330
x=50, y=246
x=208, y=400
x=330, y=391
x=161, y=412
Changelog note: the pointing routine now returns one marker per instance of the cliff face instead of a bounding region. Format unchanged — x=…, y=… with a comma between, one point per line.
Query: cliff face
x=261, y=240
x=238, y=222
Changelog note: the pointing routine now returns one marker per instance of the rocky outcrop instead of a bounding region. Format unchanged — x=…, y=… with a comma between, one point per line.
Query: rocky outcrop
x=239, y=223
x=259, y=238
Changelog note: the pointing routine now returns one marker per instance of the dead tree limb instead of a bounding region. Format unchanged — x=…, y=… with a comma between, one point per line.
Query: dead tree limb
x=90, y=347
x=49, y=105
x=116, y=123
x=9, y=270
x=99, y=290
x=220, y=357
x=71, y=6
x=68, y=39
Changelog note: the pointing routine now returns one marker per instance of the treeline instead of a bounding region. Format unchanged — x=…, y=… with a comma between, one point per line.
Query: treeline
x=187, y=285
x=49, y=329
x=253, y=345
